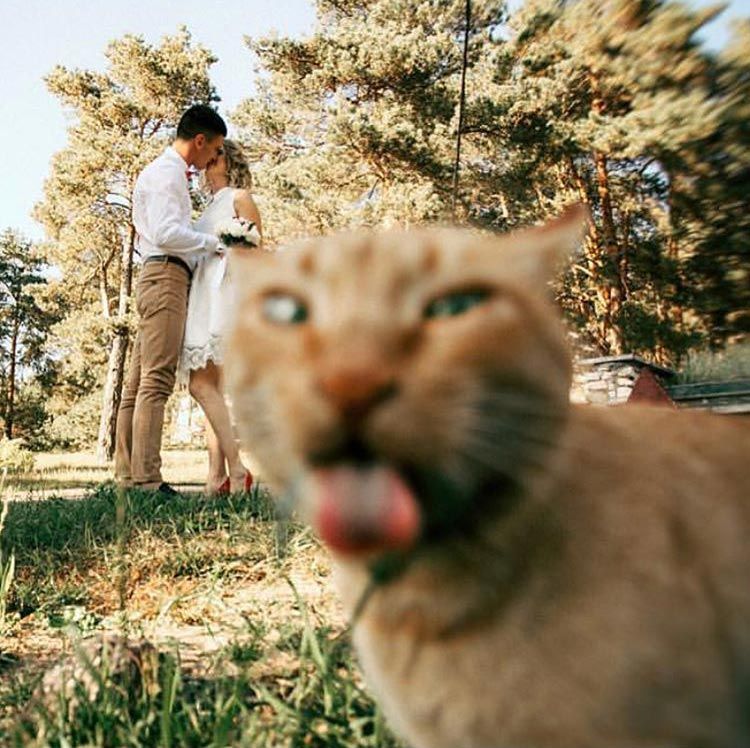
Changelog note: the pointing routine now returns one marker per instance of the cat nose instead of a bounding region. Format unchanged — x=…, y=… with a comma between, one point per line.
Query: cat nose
x=356, y=391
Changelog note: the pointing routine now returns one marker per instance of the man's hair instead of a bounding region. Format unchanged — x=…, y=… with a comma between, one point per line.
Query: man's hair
x=200, y=118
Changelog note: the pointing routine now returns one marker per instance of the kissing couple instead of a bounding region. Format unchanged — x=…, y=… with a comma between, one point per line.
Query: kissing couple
x=182, y=297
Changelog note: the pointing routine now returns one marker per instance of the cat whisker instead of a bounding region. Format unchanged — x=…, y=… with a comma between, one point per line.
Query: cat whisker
x=504, y=423
x=501, y=423
x=516, y=395
x=516, y=406
x=477, y=453
x=527, y=445
x=493, y=415
x=526, y=454
x=515, y=436
x=536, y=443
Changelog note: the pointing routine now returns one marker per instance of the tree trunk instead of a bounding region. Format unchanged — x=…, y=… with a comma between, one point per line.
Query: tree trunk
x=673, y=250
x=104, y=294
x=611, y=288
x=11, y=401
x=116, y=365
x=578, y=181
x=593, y=242
x=461, y=106
x=623, y=265
x=593, y=250
x=503, y=202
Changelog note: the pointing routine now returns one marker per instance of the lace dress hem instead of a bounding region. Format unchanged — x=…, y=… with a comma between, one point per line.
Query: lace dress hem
x=197, y=357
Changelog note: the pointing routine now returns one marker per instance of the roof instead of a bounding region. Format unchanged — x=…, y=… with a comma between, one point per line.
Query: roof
x=731, y=396
x=629, y=358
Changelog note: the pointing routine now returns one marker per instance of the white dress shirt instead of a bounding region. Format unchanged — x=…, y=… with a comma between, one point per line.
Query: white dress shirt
x=162, y=212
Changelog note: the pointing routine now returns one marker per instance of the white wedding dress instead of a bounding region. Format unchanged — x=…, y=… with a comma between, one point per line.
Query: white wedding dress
x=210, y=294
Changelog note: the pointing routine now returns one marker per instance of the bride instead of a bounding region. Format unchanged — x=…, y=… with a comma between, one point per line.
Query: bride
x=228, y=179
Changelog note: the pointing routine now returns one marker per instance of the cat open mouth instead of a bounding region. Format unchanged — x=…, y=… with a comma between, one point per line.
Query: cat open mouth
x=363, y=508
x=361, y=505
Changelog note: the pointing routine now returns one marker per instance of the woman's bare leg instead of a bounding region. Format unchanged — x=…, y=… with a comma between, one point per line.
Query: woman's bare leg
x=205, y=387
x=217, y=468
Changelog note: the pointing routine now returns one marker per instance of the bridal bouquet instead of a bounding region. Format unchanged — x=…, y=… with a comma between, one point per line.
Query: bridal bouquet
x=238, y=232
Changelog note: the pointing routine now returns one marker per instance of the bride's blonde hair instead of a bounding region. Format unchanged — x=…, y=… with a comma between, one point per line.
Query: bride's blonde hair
x=238, y=170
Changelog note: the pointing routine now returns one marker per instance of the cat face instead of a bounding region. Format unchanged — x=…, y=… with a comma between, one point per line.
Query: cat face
x=393, y=381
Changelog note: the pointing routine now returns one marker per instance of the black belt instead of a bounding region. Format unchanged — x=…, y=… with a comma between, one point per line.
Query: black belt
x=170, y=258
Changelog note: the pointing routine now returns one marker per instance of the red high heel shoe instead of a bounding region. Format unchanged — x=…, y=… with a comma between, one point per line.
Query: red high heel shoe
x=247, y=484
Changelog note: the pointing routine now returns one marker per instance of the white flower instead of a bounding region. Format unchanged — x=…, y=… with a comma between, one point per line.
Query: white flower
x=238, y=231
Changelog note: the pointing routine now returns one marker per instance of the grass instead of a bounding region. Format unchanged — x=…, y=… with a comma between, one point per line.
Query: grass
x=7, y=570
x=250, y=644
x=59, y=473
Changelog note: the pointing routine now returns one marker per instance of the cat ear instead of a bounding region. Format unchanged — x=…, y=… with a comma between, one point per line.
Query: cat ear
x=541, y=251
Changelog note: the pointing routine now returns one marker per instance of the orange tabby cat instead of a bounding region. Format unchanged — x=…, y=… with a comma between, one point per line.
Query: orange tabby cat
x=523, y=572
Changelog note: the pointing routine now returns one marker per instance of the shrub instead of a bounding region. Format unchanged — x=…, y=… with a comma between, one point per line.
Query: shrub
x=14, y=457
x=732, y=362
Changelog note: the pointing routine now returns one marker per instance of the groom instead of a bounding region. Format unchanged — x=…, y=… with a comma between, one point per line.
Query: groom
x=169, y=249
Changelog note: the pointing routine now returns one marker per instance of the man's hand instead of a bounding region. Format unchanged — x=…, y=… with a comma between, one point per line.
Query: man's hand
x=214, y=246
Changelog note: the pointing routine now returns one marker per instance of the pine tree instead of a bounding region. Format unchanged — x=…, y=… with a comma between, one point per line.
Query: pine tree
x=24, y=321
x=357, y=124
x=713, y=203
x=605, y=102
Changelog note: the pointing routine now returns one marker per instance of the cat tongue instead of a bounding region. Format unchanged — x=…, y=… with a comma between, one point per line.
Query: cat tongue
x=361, y=510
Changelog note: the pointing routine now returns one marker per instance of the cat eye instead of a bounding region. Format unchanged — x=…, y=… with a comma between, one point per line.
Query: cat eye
x=453, y=304
x=284, y=309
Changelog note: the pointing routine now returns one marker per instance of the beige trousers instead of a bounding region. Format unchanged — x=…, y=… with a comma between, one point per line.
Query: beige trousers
x=161, y=301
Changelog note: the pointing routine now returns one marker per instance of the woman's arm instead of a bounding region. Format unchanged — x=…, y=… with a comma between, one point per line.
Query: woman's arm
x=245, y=207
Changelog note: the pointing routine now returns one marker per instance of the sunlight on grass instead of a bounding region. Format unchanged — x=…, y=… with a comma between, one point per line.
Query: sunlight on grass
x=248, y=642
x=68, y=472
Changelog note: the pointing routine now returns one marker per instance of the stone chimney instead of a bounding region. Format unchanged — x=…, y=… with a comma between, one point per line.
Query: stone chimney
x=610, y=380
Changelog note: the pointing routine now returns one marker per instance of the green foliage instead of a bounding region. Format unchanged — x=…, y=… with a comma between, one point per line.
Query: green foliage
x=25, y=322
x=15, y=457
x=7, y=570
x=721, y=366
x=713, y=202
x=355, y=125
x=31, y=417
x=80, y=342
x=74, y=425
x=613, y=104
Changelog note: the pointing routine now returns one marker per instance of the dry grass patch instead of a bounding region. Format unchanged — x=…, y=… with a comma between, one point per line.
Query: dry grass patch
x=70, y=475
